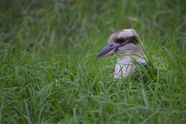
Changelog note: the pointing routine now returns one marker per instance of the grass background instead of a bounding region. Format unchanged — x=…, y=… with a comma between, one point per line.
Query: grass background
x=49, y=73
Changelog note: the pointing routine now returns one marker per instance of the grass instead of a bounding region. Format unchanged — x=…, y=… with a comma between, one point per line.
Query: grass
x=49, y=73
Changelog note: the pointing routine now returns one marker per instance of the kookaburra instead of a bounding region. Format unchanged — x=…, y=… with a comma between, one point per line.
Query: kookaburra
x=126, y=44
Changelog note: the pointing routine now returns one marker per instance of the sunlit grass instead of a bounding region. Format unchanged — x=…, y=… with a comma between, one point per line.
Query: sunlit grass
x=49, y=72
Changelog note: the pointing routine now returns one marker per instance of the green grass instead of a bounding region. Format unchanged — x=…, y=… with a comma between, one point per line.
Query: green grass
x=49, y=72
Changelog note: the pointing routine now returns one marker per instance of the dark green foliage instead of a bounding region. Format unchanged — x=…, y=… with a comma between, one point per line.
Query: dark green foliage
x=49, y=72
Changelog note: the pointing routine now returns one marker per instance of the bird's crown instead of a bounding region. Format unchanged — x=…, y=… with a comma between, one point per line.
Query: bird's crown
x=122, y=35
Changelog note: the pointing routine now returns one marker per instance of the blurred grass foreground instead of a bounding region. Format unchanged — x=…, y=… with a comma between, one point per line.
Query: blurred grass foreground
x=49, y=73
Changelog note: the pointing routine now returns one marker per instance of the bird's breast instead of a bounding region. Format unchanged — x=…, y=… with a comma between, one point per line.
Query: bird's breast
x=126, y=66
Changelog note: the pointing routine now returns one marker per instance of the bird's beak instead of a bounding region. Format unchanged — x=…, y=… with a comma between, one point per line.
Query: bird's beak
x=108, y=49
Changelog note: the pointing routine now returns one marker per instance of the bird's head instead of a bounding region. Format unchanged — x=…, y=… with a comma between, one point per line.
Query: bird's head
x=124, y=41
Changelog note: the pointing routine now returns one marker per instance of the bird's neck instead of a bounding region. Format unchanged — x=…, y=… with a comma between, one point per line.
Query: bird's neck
x=126, y=64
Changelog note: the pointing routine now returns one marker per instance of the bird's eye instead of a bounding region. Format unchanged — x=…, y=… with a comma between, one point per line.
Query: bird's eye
x=120, y=40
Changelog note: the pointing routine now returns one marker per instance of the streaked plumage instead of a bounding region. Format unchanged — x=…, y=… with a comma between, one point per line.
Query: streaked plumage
x=126, y=44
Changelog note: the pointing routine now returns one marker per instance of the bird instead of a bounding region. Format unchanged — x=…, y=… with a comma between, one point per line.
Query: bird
x=127, y=45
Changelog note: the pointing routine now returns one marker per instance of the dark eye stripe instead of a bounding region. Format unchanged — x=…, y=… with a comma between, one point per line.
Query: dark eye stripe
x=120, y=40
x=128, y=40
x=132, y=40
